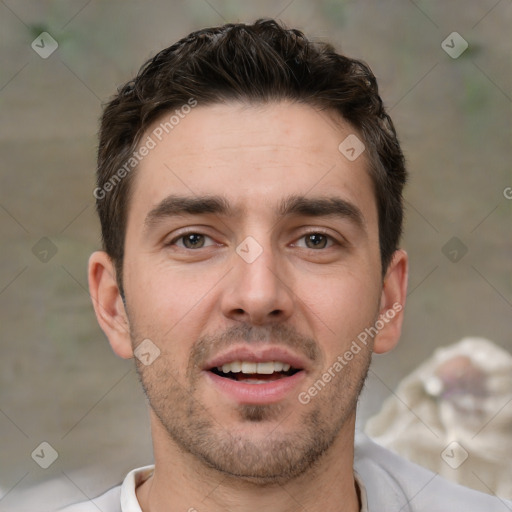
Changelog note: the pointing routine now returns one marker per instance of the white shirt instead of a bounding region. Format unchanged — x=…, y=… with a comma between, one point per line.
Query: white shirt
x=388, y=483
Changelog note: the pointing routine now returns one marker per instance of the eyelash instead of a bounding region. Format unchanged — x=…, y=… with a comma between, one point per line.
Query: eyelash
x=183, y=235
x=330, y=238
x=312, y=232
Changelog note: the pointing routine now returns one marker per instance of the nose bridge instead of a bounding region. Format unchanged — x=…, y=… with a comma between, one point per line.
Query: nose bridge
x=259, y=289
x=257, y=262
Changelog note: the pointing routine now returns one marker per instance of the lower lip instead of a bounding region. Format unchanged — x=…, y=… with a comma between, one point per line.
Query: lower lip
x=264, y=393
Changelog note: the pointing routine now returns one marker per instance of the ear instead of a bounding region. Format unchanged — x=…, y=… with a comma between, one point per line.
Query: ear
x=392, y=303
x=108, y=303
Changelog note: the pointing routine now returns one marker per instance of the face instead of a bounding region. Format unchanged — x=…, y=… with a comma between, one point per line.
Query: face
x=252, y=263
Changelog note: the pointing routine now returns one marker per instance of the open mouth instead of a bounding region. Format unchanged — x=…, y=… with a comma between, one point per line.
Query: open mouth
x=255, y=373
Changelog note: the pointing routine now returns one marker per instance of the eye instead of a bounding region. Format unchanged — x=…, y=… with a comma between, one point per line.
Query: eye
x=192, y=241
x=316, y=240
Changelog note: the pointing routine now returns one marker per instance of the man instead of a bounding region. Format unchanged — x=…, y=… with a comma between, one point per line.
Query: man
x=250, y=197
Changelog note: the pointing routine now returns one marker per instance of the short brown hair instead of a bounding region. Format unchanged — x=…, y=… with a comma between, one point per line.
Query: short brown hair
x=261, y=62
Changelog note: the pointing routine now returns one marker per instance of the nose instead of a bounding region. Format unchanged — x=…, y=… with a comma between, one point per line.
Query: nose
x=259, y=290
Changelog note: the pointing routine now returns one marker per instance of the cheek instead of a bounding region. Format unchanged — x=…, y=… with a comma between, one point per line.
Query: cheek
x=169, y=306
x=163, y=292
x=341, y=307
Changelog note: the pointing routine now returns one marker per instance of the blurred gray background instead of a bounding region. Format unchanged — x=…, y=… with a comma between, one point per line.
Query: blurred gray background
x=59, y=381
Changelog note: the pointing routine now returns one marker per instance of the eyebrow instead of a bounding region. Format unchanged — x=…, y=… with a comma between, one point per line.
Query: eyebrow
x=175, y=205
x=322, y=207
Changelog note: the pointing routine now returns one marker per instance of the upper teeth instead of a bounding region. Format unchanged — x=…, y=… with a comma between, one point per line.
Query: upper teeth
x=268, y=367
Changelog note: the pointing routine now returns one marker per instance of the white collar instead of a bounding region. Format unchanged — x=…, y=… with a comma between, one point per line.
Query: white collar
x=136, y=477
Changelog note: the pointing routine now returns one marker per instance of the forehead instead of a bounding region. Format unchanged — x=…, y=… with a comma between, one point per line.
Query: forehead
x=254, y=155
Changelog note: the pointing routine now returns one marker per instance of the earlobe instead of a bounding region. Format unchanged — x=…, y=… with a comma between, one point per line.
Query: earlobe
x=108, y=304
x=392, y=303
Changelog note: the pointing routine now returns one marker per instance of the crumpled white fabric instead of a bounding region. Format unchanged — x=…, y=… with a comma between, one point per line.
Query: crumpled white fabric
x=453, y=415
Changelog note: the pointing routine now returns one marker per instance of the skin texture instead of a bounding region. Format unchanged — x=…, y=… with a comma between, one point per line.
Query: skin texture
x=195, y=301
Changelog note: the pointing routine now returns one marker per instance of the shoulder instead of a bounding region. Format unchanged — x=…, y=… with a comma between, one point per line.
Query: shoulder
x=121, y=498
x=403, y=485
x=110, y=501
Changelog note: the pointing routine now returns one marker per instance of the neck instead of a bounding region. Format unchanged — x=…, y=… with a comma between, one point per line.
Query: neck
x=181, y=482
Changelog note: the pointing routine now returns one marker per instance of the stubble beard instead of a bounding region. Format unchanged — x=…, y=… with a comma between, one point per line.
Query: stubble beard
x=281, y=454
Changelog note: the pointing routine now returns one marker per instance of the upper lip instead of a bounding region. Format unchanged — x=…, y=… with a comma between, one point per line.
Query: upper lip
x=256, y=354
